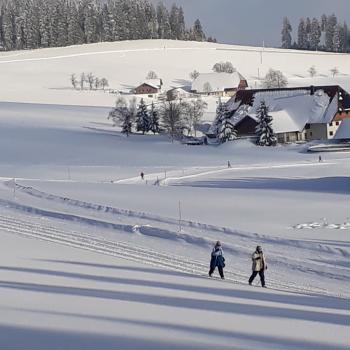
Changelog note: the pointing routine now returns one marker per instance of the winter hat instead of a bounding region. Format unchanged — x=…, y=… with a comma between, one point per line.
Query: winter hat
x=218, y=244
x=259, y=249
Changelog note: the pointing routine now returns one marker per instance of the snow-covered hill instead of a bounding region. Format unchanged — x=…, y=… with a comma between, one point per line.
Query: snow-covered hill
x=125, y=65
x=93, y=257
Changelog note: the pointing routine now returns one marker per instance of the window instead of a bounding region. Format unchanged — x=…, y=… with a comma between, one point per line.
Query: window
x=330, y=124
x=336, y=123
x=310, y=133
x=331, y=133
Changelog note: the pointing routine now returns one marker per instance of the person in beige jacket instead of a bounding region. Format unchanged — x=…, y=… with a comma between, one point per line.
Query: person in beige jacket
x=259, y=266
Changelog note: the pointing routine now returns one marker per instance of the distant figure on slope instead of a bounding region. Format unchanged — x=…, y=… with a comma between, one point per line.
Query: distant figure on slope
x=217, y=260
x=259, y=266
x=142, y=175
x=319, y=159
x=228, y=164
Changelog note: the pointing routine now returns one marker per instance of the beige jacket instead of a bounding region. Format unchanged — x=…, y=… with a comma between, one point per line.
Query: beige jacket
x=259, y=261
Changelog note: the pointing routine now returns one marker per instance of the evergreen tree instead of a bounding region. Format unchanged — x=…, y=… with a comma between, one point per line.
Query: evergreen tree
x=154, y=120
x=227, y=131
x=315, y=34
x=164, y=28
x=308, y=32
x=345, y=38
x=264, y=131
x=142, y=118
x=197, y=31
x=221, y=112
x=286, y=34
x=323, y=22
x=338, y=39
x=123, y=115
x=28, y=24
x=330, y=32
x=302, y=35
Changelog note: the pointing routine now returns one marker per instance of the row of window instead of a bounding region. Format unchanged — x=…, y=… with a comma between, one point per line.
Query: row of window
x=334, y=123
x=331, y=133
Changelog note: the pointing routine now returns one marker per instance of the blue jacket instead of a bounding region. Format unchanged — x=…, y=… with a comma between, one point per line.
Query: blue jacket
x=217, y=258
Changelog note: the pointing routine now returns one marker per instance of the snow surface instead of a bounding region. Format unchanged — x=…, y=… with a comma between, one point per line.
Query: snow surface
x=218, y=81
x=93, y=257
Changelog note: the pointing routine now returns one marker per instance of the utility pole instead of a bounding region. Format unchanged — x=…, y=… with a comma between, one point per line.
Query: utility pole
x=180, y=217
x=14, y=188
x=68, y=169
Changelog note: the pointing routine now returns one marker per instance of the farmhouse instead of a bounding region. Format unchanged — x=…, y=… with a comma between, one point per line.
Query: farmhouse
x=219, y=84
x=299, y=114
x=149, y=87
x=177, y=93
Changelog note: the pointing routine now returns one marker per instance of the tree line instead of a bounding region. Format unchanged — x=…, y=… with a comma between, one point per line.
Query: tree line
x=175, y=118
x=31, y=24
x=326, y=34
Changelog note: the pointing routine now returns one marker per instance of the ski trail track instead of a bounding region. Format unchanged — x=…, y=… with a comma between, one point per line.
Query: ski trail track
x=159, y=179
x=196, y=238
x=136, y=254
x=170, y=222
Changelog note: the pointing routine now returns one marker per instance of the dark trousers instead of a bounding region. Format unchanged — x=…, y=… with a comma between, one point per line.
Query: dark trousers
x=261, y=274
x=221, y=271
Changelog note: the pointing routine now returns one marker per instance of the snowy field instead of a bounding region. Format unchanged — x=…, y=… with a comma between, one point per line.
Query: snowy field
x=92, y=257
x=126, y=64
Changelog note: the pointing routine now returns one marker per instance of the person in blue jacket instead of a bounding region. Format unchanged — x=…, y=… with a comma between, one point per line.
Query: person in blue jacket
x=217, y=260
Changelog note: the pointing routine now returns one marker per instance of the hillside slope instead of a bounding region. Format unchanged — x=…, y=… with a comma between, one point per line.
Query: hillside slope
x=125, y=64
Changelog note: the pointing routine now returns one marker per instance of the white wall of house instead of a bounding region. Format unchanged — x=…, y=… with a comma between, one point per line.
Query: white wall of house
x=332, y=129
x=322, y=131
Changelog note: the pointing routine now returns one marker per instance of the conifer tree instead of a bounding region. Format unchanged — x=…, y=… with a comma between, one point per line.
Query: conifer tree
x=315, y=34
x=223, y=126
x=302, y=35
x=264, y=131
x=142, y=118
x=286, y=34
x=227, y=131
x=154, y=120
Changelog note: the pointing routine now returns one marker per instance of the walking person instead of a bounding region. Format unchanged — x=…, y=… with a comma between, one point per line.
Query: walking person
x=319, y=159
x=259, y=266
x=228, y=164
x=142, y=175
x=217, y=260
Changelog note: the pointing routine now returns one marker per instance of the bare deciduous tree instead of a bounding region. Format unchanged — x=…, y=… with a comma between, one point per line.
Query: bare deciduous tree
x=194, y=75
x=74, y=81
x=123, y=114
x=312, y=71
x=224, y=67
x=97, y=83
x=193, y=113
x=104, y=83
x=274, y=79
x=151, y=75
x=334, y=71
x=207, y=88
x=171, y=113
x=90, y=79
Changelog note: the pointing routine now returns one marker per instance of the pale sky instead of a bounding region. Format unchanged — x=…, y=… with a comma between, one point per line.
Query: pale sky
x=252, y=21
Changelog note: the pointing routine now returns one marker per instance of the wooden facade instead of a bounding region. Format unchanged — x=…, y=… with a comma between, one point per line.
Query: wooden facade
x=146, y=89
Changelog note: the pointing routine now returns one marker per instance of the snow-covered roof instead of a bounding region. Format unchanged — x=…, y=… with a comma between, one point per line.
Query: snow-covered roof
x=156, y=83
x=343, y=131
x=217, y=81
x=291, y=110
